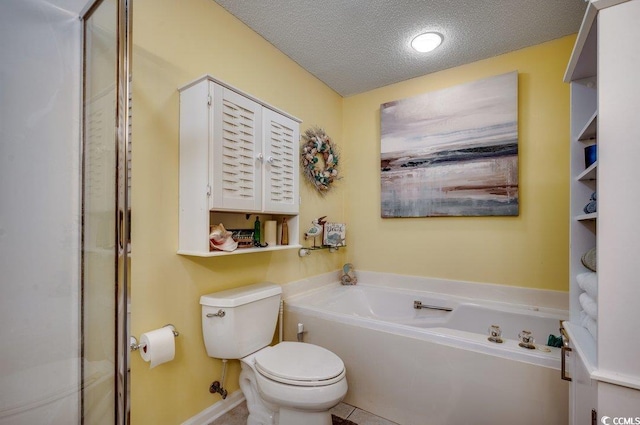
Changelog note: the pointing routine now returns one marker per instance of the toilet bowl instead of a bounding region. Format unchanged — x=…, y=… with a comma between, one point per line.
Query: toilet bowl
x=292, y=383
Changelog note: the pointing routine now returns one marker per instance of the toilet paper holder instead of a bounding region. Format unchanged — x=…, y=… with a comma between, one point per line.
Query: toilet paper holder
x=133, y=341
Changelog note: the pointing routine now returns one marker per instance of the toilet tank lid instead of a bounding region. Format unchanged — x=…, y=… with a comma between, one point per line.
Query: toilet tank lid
x=243, y=295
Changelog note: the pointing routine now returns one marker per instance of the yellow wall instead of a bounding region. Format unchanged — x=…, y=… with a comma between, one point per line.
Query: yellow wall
x=175, y=42
x=530, y=250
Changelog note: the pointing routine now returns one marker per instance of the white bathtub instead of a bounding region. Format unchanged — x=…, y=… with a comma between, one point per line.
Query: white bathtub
x=418, y=367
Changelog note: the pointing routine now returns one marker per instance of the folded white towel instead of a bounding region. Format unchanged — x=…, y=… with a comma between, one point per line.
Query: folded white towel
x=588, y=282
x=591, y=325
x=588, y=305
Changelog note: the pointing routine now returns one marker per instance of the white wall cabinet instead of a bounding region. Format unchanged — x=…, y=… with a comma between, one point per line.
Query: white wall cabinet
x=238, y=156
x=605, y=100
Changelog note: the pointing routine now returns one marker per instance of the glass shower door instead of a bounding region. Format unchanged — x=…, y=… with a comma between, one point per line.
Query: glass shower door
x=104, y=271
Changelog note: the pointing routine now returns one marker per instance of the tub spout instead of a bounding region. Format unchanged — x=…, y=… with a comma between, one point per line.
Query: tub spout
x=346, y=280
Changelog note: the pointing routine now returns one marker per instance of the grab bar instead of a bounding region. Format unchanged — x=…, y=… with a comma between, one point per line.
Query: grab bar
x=418, y=305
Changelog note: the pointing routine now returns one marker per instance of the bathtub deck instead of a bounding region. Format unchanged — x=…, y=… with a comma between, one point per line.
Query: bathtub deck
x=238, y=416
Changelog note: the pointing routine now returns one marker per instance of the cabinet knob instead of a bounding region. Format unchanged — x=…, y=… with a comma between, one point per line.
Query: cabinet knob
x=260, y=157
x=270, y=159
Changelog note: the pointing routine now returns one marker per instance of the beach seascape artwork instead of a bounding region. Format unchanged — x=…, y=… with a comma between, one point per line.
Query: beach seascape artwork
x=452, y=152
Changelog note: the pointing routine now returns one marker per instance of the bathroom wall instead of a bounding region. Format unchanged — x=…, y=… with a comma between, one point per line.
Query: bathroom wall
x=530, y=250
x=175, y=43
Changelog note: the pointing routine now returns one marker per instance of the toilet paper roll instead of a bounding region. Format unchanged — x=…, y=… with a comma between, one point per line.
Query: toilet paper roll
x=270, y=232
x=158, y=346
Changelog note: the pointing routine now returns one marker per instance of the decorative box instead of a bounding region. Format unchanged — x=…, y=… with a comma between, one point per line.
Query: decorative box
x=335, y=234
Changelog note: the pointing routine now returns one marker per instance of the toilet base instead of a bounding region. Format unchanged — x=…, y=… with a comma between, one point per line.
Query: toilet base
x=296, y=417
x=259, y=412
x=265, y=410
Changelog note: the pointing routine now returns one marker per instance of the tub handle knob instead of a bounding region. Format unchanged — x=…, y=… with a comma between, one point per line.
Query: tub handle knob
x=495, y=334
x=526, y=340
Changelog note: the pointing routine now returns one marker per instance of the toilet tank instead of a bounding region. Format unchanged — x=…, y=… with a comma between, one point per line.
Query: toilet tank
x=240, y=321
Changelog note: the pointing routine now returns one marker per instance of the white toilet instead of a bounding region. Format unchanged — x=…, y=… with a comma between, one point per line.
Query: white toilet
x=291, y=383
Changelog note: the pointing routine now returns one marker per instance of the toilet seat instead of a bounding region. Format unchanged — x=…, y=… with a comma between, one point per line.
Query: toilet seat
x=299, y=364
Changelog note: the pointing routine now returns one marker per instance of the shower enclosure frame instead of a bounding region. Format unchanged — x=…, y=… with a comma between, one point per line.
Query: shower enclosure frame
x=122, y=207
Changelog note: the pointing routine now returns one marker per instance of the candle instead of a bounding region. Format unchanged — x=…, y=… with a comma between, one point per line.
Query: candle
x=270, y=232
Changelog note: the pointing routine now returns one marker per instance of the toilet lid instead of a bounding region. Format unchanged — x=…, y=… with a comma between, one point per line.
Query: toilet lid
x=300, y=364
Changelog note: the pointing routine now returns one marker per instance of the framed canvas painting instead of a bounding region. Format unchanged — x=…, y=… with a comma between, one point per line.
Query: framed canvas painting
x=452, y=152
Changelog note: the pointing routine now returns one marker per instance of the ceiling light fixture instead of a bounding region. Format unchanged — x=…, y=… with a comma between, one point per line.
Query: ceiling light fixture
x=426, y=42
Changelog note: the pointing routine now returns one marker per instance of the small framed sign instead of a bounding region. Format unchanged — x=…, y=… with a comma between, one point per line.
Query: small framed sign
x=244, y=237
x=334, y=234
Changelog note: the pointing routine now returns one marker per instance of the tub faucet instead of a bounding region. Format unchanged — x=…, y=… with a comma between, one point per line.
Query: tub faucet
x=346, y=280
x=526, y=340
x=348, y=276
x=495, y=334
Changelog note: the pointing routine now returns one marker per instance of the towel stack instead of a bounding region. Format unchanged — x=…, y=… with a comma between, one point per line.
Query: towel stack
x=588, y=298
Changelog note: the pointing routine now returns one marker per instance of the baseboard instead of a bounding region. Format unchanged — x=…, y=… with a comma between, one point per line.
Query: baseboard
x=216, y=410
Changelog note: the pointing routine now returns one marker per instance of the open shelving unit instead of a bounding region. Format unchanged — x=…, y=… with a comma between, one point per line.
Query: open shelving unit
x=605, y=95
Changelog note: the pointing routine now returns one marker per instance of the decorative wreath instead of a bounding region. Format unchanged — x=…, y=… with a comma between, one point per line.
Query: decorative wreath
x=318, y=145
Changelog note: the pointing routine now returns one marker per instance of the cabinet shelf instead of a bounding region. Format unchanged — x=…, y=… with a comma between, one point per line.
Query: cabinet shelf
x=239, y=251
x=590, y=130
x=590, y=173
x=587, y=217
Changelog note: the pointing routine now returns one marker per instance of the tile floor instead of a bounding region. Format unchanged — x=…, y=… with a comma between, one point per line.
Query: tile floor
x=238, y=416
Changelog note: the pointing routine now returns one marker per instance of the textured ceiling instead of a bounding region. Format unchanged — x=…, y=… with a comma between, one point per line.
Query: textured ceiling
x=358, y=45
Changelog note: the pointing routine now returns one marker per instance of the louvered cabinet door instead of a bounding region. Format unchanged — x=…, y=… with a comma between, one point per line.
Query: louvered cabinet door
x=281, y=136
x=236, y=161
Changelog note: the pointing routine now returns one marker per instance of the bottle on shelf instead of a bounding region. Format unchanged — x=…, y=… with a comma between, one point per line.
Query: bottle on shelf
x=284, y=237
x=256, y=230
